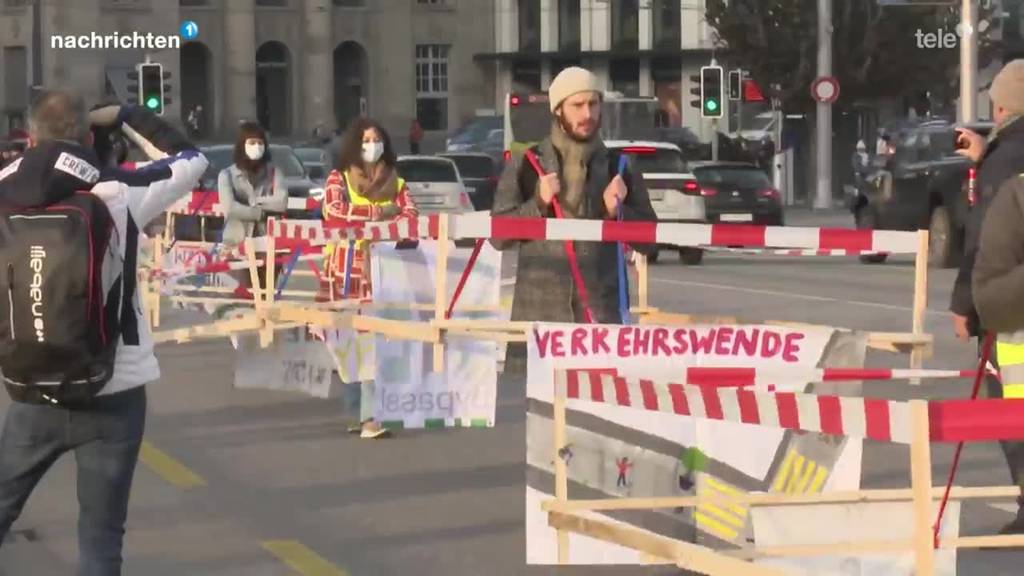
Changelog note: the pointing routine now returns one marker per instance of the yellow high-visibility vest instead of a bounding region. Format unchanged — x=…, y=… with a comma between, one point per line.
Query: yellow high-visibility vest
x=1010, y=358
x=357, y=199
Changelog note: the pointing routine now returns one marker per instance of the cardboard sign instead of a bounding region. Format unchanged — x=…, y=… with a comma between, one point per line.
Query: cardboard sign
x=409, y=392
x=630, y=452
x=294, y=362
x=196, y=255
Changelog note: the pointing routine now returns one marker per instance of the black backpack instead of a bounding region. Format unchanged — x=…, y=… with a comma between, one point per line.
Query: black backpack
x=59, y=332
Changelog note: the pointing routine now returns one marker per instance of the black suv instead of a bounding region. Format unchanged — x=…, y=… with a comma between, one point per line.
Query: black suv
x=924, y=185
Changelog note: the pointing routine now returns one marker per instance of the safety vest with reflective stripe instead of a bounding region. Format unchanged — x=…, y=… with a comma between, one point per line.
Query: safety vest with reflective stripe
x=1010, y=358
x=356, y=199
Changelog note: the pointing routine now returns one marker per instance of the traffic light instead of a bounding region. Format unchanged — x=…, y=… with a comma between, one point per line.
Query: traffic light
x=735, y=84
x=695, y=90
x=151, y=87
x=711, y=91
x=133, y=86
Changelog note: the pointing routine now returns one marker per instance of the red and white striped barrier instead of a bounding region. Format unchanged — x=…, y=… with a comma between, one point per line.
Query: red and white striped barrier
x=480, y=225
x=765, y=378
x=207, y=203
x=785, y=252
x=875, y=419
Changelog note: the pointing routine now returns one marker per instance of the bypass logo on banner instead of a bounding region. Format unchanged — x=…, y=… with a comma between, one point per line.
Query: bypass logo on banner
x=408, y=391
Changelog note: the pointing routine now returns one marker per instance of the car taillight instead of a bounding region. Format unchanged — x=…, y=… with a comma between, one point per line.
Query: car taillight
x=709, y=191
x=493, y=179
x=639, y=150
x=465, y=202
x=972, y=196
x=771, y=193
x=508, y=155
x=514, y=100
x=691, y=187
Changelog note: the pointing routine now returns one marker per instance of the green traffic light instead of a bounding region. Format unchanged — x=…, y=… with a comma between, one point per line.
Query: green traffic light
x=153, y=103
x=711, y=105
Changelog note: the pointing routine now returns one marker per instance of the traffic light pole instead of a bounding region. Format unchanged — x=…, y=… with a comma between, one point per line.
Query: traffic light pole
x=968, y=61
x=823, y=194
x=714, y=140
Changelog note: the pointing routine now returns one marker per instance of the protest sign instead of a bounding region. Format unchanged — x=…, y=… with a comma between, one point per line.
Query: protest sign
x=182, y=255
x=409, y=393
x=620, y=451
x=294, y=362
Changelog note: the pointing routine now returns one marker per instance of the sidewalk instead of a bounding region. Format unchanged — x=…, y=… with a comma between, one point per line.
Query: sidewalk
x=802, y=216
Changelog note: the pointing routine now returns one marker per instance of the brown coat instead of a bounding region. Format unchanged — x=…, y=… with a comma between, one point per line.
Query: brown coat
x=544, y=288
x=998, y=278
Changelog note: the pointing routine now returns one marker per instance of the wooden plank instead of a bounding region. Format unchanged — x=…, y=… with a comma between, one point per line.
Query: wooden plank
x=920, y=299
x=1000, y=541
x=441, y=286
x=267, y=334
x=214, y=329
x=687, y=556
x=837, y=549
x=486, y=335
x=641, y=280
x=780, y=499
x=561, y=469
x=490, y=325
x=921, y=484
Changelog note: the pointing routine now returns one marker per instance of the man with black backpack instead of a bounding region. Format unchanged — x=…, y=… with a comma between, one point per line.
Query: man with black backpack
x=75, y=350
x=571, y=174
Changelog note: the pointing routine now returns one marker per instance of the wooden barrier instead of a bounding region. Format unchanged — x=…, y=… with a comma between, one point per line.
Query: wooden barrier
x=571, y=516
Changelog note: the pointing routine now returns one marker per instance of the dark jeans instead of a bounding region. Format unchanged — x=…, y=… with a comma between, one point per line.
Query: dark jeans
x=105, y=437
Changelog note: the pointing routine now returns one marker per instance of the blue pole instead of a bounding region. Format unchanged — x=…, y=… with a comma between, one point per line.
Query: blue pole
x=283, y=280
x=623, y=278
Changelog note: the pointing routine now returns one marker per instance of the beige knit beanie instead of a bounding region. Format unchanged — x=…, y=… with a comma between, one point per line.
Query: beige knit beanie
x=1007, y=88
x=569, y=81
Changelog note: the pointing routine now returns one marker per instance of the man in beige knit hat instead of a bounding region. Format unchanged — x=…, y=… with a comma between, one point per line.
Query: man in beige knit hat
x=583, y=176
x=999, y=160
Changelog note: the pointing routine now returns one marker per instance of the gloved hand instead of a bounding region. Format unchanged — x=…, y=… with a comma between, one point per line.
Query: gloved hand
x=105, y=116
x=388, y=212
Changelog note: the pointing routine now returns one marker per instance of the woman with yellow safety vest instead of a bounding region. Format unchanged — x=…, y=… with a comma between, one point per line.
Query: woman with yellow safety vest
x=364, y=187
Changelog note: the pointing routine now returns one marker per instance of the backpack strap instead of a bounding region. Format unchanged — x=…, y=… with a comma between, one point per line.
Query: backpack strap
x=129, y=321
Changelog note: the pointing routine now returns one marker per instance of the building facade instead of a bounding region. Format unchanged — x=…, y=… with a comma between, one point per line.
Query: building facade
x=293, y=65
x=637, y=47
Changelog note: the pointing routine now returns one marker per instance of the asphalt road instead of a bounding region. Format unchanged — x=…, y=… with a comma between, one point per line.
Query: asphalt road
x=271, y=484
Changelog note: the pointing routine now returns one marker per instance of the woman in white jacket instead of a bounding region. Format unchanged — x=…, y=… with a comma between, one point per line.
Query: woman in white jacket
x=250, y=190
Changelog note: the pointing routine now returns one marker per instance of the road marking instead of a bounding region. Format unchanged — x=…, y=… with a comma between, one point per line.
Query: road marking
x=301, y=559
x=725, y=519
x=165, y=466
x=795, y=295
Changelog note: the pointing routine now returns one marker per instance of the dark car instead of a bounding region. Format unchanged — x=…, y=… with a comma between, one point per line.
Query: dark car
x=479, y=173
x=738, y=193
x=923, y=186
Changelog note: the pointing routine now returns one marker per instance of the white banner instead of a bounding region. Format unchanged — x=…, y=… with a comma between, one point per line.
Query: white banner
x=408, y=390
x=196, y=255
x=602, y=459
x=292, y=363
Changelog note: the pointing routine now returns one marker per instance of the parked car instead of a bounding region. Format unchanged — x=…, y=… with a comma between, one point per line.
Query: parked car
x=316, y=162
x=924, y=186
x=473, y=133
x=284, y=160
x=479, y=173
x=674, y=192
x=738, y=192
x=435, y=184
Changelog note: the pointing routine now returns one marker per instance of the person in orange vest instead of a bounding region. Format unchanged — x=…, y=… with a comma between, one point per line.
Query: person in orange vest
x=415, y=136
x=364, y=186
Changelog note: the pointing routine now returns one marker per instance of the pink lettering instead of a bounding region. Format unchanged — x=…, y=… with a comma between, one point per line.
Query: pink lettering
x=558, y=344
x=599, y=344
x=723, y=341
x=579, y=336
x=623, y=344
x=679, y=335
x=702, y=345
x=747, y=341
x=660, y=344
x=543, y=342
x=789, y=353
x=771, y=343
x=641, y=342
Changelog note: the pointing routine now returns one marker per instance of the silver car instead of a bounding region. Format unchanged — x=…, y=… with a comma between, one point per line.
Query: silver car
x=434, y=184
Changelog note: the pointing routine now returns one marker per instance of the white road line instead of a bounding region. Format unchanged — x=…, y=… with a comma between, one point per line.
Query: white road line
x=795, y=295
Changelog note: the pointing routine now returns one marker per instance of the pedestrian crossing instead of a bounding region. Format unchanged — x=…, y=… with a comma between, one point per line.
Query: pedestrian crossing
x=726, y=519
x=799, y=475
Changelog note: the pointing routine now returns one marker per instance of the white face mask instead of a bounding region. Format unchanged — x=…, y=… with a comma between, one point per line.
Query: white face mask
x=254, y=150
x=372, y=151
